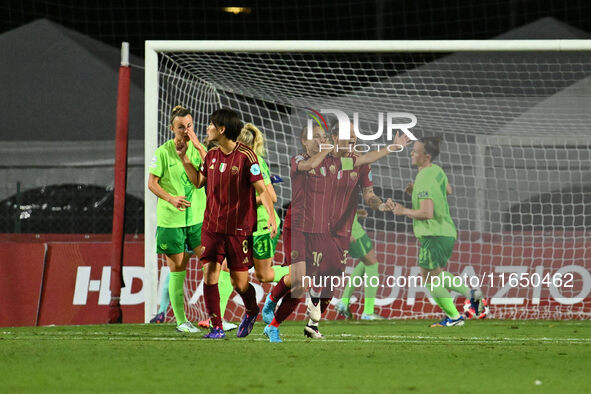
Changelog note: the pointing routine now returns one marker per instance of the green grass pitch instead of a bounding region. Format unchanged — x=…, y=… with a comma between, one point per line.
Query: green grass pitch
x=360, y=357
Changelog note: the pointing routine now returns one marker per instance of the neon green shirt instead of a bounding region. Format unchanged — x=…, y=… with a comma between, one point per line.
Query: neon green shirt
x=166, y=164
x=431, y=183
x=262, y=215
x=357, y=230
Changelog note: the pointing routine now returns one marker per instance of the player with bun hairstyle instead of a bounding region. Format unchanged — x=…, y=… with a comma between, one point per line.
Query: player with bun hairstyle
x=436, y=231
x=231, y=173
x=180, y=208
x=325, y=183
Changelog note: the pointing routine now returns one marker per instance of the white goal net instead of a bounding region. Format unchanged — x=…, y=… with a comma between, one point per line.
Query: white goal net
x=516, y=130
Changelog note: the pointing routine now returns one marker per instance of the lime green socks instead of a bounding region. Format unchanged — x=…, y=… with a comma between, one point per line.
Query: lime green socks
x=443, y=298
x=164, y=297
x=280, y=272
x=177, y=295
x=358, y=271
x=225, y=289
x=455, y=283
x=370, y=291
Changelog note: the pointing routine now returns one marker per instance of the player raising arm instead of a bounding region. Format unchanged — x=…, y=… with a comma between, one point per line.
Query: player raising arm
x=436, y=231
x=232, y=174
x=305, y=222
x=350, y=180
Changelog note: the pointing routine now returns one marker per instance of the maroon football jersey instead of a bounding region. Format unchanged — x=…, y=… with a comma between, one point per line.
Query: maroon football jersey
x=231, y=202
x=312, y=196
x=348, y=185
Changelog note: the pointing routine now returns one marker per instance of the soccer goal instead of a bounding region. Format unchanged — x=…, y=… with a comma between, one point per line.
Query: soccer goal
x=515, y=120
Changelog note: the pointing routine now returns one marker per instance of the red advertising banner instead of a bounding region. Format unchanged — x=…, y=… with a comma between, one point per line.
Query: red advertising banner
x=74, y=289
x=21, y=273
x=67, y=282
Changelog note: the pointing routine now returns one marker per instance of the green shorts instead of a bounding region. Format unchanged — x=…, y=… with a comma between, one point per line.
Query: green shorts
x=435, y=252
x=360, y=247
x=178, y=240
x=263, y=247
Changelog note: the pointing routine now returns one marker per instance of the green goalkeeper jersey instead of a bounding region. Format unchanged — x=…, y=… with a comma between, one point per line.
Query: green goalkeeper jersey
x=431, y=183
x=262, y=215
x=167, y=165
x=357, y=230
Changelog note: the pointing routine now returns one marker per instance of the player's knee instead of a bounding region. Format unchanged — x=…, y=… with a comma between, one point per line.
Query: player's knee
x=264, y=277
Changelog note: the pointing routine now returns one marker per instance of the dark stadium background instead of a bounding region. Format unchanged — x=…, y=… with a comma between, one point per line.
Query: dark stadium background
x=135, y=21
x=52, y=208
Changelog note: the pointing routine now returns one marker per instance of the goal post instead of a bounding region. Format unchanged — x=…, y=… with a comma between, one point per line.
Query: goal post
x=515, y=122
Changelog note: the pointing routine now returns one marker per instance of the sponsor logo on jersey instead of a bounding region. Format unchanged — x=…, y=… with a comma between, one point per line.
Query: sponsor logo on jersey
x=423, y=195
x=163, y=246
x=211, y=167
x=222, y=167
x=245, y=262
x=255, y=169
x=312, y=172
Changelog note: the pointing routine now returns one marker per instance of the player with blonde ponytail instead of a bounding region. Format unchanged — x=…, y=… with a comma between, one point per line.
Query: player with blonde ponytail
x=263, y=245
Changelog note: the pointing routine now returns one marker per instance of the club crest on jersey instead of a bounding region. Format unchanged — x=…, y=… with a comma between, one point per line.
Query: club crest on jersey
x=235, y=170
x=423, y=195
x=222, y=167
x=294, y=254
x=322, y=171
x=255, y=169
x=353, y=175
x=332, y=168
x=340, y=174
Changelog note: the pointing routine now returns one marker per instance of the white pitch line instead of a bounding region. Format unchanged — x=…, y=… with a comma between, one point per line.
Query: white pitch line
x=419, y=339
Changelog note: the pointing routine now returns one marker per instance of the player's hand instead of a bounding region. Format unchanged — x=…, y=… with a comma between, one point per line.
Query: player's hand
x=401, y=140
x=389, y=205
x=362, y=213
x=193, y=137
x=180, y=202
x=272, y=226
x=399, y=209
x=181, y=149
x=408, y=188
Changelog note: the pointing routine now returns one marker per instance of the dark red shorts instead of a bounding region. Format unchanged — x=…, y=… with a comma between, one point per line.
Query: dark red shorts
x=327, y=254
x=323, y=253
x=295, y=243
x=236, y=249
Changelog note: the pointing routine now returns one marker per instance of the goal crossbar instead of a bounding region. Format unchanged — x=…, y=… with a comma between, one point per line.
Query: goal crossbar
x=153, y=48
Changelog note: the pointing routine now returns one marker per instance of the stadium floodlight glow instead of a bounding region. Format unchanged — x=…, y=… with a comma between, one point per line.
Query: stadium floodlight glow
x=514, y=119
x=237, y=10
